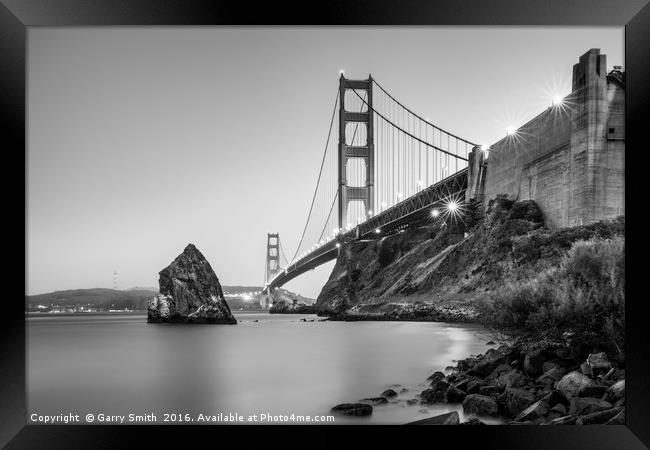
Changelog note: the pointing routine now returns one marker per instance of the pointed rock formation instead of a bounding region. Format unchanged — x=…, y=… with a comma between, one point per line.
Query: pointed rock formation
x=189, y=292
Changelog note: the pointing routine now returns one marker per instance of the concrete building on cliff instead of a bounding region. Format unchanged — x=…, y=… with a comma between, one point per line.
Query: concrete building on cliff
x=570, y=159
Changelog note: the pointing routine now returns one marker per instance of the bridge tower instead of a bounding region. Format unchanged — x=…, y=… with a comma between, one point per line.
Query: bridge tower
x=366, y=152
x=272, y=255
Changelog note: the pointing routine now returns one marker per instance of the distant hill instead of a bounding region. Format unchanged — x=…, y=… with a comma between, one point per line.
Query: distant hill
x=98, y=297
x=135, y=298
x=240, y=289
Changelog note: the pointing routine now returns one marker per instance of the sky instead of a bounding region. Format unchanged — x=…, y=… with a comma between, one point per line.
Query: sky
x=144, y=139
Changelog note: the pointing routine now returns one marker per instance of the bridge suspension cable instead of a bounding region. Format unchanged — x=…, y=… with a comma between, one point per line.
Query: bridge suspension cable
x=416, y=115
x=398, y=127
x=320, y=172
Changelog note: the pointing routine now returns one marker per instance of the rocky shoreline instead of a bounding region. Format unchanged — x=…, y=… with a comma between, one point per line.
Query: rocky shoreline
x=407, y=312
x=283, y=307
x=543, y=386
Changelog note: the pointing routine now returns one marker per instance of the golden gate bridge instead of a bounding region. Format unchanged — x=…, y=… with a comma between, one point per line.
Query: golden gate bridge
x=389, y=170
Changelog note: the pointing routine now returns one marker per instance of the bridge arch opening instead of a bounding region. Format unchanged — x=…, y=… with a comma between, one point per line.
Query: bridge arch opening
x=353, y=103
x=356, y=172
x=356, y=134
x=356, y=212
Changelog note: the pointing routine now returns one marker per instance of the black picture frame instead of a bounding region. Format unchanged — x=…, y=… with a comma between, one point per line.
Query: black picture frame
x=17, y=15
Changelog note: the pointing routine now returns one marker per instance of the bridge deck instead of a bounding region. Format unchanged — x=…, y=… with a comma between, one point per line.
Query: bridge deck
x=412, y=211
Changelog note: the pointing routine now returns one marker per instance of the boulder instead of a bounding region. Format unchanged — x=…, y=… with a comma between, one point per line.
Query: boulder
x=454, y=395
x=451, y=418
x=480, y=405
x=389, y=393
x=585, y=369
x=474, y=385
x=435, y=394
x=581, y=406
x=462, y=385
x=435, y=377
x=572, y=383
x=598, y=363
x=555, y=397
x=554, y=364
x=537, y=410
x=189, y=292
x=599, y=417
x=615, y=392
x=492, y=359
x=514, y=378
x=466, y=364
x=490, y=391
x=564, y=420
x=618, y=419
x=374, y=401
x=558, y=410
x=551, y=376
x=516, y=400
x=503, y=368
x=533, y=362
x=473, y=421
x=353, y=409
x=594, y=390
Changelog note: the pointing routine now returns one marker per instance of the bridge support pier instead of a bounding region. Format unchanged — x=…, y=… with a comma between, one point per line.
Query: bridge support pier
x=272, y=256
x=366, y=152
x=476, y=173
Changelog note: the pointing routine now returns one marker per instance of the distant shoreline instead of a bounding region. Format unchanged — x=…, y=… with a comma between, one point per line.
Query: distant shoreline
x=136, y=312
x=94, y=313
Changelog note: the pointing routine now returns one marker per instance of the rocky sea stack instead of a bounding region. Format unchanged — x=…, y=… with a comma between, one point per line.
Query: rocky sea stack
x=189, y=293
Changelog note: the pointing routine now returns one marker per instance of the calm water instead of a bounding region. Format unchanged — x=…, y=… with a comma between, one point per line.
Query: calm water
x=119, y=364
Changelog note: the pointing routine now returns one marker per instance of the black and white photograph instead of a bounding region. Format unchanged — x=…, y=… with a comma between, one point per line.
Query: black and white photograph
x=371, y=226
x=325, y=225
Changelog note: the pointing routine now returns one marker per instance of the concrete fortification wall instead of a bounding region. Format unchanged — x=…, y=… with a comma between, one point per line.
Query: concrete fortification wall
x=570, y=158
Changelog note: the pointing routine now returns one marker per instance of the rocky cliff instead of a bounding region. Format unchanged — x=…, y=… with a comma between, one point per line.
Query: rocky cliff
x=436, y=273
x=189, y=292
x=287, y=302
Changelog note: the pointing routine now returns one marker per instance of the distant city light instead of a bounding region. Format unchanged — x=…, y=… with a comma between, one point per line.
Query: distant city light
x=378, y=231
x=511, y=130
x=338, y=245
x=435, y=212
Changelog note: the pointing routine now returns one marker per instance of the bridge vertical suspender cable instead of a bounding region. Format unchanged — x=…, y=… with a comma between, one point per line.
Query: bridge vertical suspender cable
x=407, y=133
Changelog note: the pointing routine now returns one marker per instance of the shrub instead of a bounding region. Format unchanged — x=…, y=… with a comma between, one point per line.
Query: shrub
x=581, y=302
x=526, y=210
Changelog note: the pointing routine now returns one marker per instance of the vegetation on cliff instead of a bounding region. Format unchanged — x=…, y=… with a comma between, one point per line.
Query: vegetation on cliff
x=437, y=273
x=582, y=300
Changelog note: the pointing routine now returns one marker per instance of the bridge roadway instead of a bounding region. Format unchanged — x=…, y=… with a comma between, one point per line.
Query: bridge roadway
x=412, y=211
